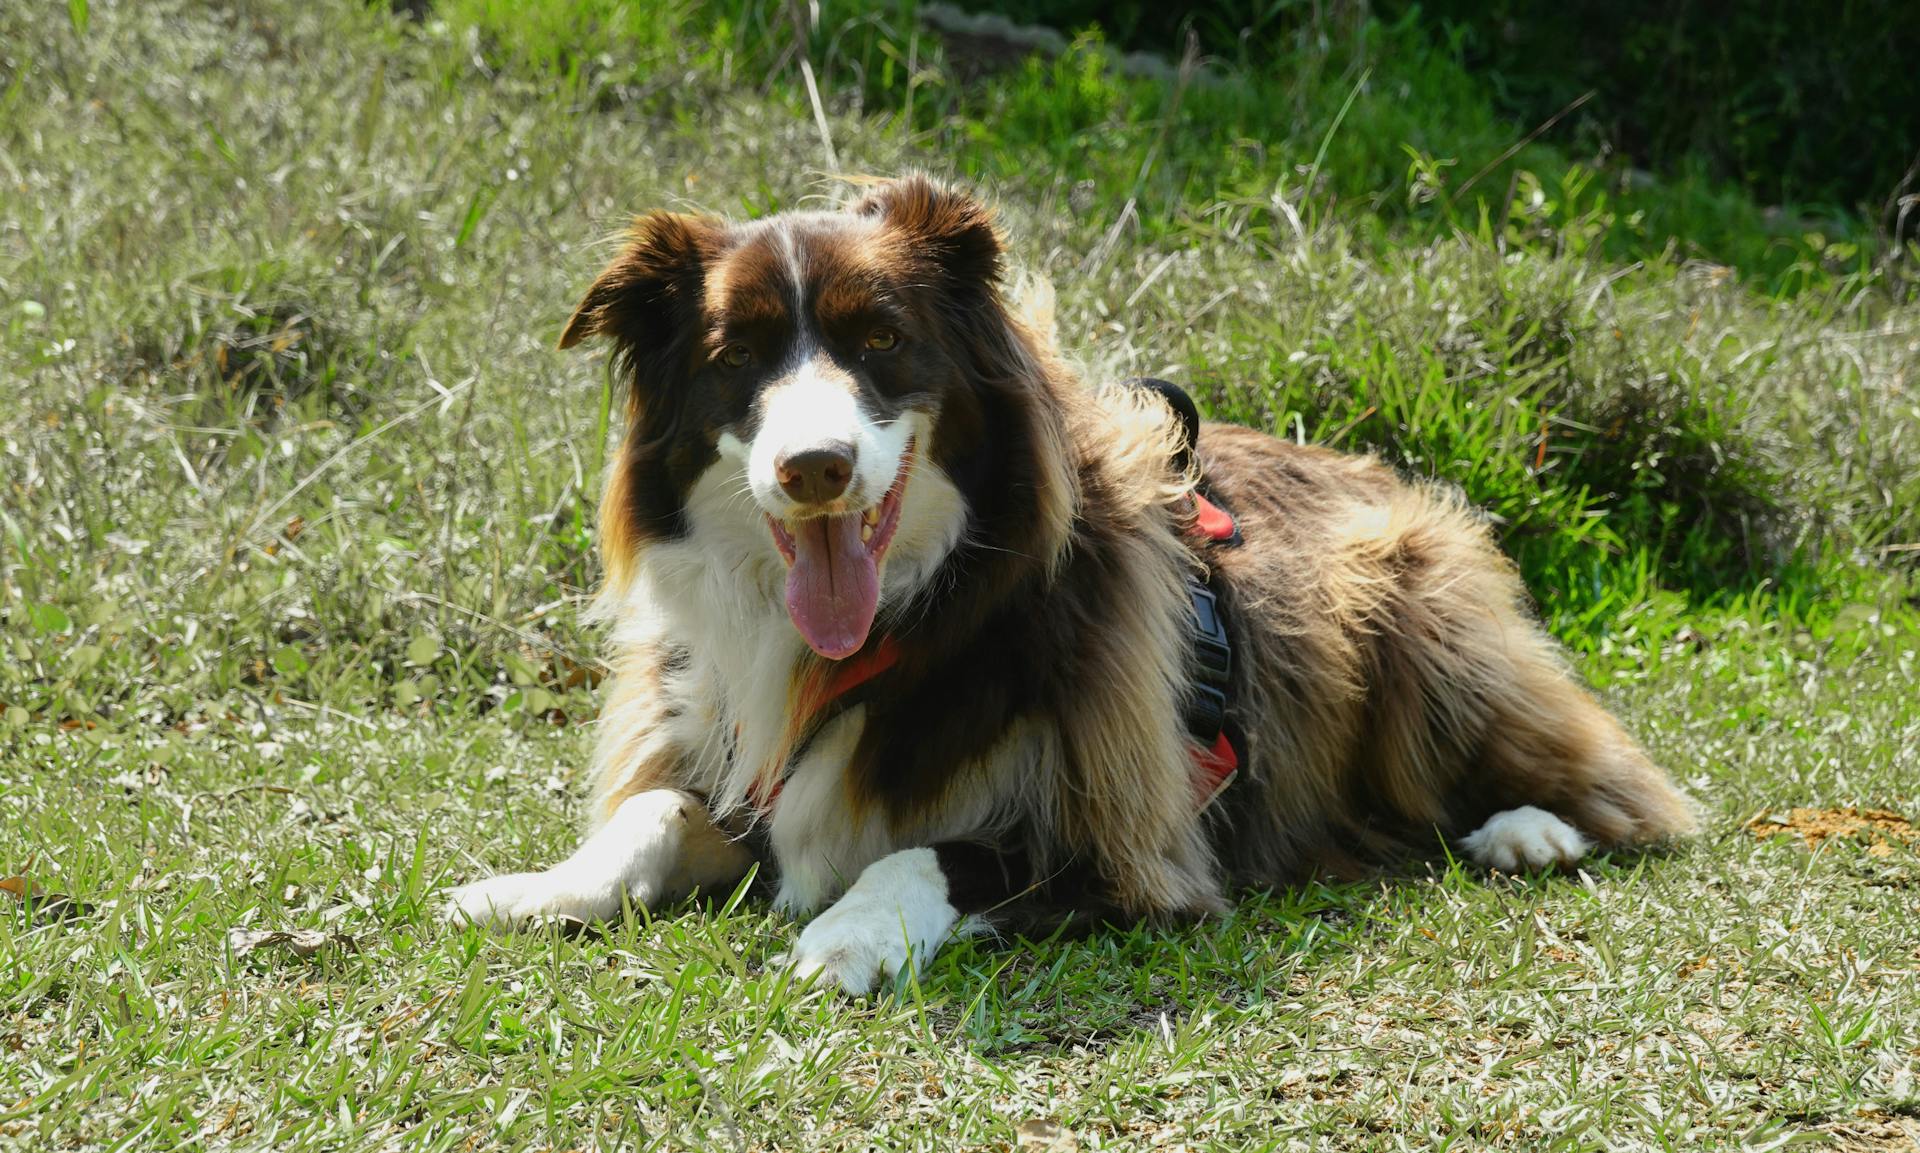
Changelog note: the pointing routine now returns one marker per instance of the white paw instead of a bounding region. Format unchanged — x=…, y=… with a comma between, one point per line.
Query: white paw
x=896, y=911
x=1525, y=838
x=507, y=901
x=635, y=853
x=852, y=948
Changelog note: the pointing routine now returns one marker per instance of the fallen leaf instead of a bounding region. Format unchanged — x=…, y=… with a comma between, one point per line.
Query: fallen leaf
x=299, y=942
x=1880, y=828
x=53, y=906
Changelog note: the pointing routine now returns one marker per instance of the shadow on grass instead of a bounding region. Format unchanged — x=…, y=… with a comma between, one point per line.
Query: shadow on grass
x=1097, y=984
x=1093, y=984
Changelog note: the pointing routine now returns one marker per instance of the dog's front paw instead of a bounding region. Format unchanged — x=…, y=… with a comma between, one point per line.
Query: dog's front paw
x=852, y=945
x=896, y=911
x=498, y=902
x=508, y=901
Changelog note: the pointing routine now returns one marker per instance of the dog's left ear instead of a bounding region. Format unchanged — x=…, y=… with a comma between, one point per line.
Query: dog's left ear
x=943, y=225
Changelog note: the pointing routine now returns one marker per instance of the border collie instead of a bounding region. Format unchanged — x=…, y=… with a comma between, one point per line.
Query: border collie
x=904, y=611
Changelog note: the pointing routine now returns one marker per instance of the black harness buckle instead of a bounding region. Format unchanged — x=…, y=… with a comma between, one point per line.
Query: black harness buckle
x=1212, y=663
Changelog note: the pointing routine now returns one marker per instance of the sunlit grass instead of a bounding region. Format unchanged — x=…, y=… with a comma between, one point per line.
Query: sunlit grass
x=295, y=525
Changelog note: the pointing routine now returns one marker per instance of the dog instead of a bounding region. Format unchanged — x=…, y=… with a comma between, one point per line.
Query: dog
x=903, y=611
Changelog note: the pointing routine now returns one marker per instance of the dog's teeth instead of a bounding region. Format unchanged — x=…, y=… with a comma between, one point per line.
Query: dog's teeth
x=866, y=532
x=871, y=516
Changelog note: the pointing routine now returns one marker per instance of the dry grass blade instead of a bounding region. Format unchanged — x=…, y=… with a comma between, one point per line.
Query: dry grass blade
x=802, y=30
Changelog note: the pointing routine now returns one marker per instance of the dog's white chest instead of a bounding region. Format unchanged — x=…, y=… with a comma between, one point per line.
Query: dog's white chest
x=819, y=843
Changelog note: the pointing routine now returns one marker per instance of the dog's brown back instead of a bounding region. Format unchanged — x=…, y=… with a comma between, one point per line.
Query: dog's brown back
x=1392, y=682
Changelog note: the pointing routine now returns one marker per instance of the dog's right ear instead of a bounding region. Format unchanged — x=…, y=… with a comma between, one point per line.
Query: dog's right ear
x=639, y=299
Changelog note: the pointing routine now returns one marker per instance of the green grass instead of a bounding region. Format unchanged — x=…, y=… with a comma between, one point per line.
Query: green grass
x=295, y=528
x=1341, y=113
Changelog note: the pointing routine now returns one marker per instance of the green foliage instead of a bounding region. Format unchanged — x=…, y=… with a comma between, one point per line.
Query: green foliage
x=1603, y=418
x=1803, y=106
x=575, y=38
x=1801, y=103
x=1244, y=124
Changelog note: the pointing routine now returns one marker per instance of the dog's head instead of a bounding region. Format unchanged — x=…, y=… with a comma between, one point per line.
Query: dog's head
x=817, y=392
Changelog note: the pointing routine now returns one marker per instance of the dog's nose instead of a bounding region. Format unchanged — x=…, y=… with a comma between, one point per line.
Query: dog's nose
x=816, y=475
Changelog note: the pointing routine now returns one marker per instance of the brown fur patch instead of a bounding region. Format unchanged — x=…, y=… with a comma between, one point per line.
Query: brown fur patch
x=632, y=755
x=619, y=543
x=657, y=269
x=745, y=288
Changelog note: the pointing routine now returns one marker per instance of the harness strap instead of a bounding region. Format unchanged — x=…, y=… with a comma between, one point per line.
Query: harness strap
x=860, y=668
x=841, y=678
x=1213, y=770
x=1215, y=523
x=1215, y=766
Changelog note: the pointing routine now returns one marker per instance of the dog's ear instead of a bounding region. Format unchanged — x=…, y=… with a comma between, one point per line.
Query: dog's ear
x=944, y=226
x=642, y=296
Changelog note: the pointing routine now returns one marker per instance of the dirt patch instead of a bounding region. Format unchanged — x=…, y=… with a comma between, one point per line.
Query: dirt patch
x=1881, y=829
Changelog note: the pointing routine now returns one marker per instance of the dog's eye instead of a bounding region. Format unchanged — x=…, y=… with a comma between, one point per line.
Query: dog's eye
x=883, y=340
x=735, y=356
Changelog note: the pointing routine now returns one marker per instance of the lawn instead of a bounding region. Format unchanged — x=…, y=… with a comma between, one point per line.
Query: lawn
x=296, y=535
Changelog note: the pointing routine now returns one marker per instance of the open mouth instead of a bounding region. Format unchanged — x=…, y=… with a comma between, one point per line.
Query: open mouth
x=833, y=568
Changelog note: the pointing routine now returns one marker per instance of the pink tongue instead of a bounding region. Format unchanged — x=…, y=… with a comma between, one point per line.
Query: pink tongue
x=833, y=588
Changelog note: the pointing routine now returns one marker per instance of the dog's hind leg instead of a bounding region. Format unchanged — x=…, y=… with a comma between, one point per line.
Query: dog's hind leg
x=1576, y=781
x=1525, y=838
x=656, y=846
x=1478, y=723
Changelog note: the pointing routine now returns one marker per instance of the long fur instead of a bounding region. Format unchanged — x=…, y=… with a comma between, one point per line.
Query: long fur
x=1392, y=685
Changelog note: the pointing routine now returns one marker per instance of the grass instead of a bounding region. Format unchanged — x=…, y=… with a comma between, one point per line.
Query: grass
x=295, y=531
x=1375, y=121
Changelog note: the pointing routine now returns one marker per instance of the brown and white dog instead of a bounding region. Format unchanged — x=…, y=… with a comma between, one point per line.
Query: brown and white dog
x=901, y=609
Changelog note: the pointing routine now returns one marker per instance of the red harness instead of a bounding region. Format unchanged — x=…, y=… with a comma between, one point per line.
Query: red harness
x=1214, y=767
x=1215, y=523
